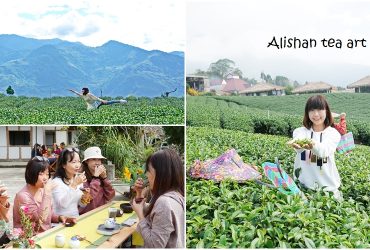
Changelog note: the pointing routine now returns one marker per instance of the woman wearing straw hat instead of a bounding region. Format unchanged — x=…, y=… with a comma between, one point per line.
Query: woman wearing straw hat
x=100, y=187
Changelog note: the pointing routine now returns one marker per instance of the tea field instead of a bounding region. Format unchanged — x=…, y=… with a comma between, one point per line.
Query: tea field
x=248, y=215
x=72, y=110
x=262, y=115
x=356, y=105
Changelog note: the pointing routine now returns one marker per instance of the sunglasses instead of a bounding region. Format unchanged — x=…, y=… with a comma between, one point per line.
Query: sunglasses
x=70, y=150
x=40, y=159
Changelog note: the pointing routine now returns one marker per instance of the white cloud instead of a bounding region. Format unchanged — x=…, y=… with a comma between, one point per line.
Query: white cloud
x=141, y=23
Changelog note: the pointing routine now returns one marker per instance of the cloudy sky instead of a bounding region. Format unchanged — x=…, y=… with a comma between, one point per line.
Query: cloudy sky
x=146, y=24
x=241, y=31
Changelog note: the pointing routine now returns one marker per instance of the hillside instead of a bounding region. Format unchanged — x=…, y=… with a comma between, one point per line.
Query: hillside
x=46, y=68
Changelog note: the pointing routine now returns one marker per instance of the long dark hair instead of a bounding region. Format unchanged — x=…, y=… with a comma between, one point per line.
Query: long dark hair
x=67, y=155
x=169, y=174
x=317, y=102
x=85, y=91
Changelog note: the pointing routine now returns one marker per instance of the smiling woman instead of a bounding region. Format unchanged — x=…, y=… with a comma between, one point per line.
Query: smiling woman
x=67, y=196
x=315, y=161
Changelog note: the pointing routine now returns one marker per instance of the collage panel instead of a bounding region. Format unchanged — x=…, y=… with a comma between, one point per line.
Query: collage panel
x=92, y=114
x=92, y=62
x=277, y=140
x=92, y=186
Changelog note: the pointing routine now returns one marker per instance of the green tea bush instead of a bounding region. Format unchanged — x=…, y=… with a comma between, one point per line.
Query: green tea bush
x=72, y=110
x=230, y=215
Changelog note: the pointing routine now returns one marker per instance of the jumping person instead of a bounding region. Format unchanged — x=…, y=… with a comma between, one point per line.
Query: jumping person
x=92, y=101
x=166, y=94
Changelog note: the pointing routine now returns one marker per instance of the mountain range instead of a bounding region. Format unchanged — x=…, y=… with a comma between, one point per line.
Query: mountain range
x=48, y=67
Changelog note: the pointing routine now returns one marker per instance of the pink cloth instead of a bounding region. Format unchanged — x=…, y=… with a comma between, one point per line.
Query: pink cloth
x=38, y=211
x=101, y=191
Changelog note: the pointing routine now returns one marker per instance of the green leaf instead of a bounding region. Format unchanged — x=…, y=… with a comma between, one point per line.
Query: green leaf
x=309, y=243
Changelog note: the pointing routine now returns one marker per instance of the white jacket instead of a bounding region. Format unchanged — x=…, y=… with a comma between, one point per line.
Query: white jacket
x=311, y=175
x=66, y=199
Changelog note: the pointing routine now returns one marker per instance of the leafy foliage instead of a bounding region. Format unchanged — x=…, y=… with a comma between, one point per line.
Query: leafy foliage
x=72, y=110
x=247, y=215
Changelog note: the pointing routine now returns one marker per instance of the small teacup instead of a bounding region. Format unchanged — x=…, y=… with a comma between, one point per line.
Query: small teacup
x=110, y=223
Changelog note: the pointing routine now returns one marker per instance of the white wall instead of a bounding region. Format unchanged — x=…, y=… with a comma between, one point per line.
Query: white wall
x=25, y=152
x=2, y=136
x=14, y=153
x=61, y=136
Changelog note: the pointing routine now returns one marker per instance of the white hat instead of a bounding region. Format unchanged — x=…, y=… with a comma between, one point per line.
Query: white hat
x=93, y=153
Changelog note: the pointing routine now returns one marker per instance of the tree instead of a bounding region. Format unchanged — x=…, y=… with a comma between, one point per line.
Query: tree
x=175, y=135
x=199, y=72
x=9, y=90
x=288, y=90
x=263, y=76
x=268, y=78
x=238, y=72
x=221, y=67
x=281, y=81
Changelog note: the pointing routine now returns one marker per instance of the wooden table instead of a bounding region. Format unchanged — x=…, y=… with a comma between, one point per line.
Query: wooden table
x=86, y=227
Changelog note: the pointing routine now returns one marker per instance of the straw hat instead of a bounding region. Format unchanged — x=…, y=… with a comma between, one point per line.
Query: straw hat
x=93, y=153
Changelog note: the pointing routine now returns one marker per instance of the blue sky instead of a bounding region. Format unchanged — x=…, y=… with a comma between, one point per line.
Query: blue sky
x=146, y=24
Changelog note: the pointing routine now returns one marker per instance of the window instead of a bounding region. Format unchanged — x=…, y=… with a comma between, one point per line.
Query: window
x=17, y=138
x=50, y=138
x=69, y=142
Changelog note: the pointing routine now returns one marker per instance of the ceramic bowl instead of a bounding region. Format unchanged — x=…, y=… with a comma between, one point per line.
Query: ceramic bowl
x=126, y=207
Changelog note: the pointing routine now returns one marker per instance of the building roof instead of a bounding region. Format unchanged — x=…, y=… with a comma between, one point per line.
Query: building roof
x=360, y=83
x=235, y=85
x=262, y=87
x=312, y=86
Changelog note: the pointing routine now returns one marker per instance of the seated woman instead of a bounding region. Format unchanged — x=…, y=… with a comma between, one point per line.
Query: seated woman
x=36, y=196
x=4, y=209
x=161, y=222
x=100, y=187
x=36, y=150
x=67, y=196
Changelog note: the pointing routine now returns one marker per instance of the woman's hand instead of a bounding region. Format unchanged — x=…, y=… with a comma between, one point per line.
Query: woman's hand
x=78, y=179
x=309, y=146
x=100, y=171
x=139, y=187
x=86, y=196
x=49, y=186
x=4, y=197
x=65, y=220
x=138, y=208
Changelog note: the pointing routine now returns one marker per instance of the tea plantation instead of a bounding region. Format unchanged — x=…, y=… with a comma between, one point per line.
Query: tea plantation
x=261, y=115
x=72, y=110
x=232, y=215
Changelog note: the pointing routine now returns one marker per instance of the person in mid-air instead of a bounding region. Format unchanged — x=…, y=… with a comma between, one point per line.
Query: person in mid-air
x=166, y=94
x=92, y=101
